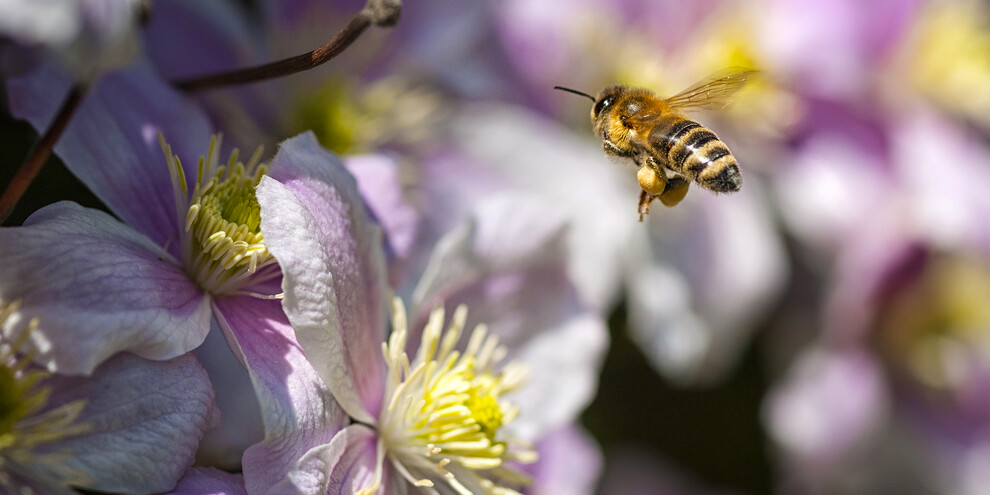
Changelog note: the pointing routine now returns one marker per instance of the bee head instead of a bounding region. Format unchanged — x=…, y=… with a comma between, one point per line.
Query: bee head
x=601, y=105
x=605, y=100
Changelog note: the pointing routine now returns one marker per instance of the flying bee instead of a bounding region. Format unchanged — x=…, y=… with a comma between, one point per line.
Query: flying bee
x=670, y=149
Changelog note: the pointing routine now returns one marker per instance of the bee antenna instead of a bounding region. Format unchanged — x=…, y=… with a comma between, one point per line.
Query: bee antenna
x=569, y=90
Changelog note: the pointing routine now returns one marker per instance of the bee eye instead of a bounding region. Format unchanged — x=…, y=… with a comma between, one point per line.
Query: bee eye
x=602, y=105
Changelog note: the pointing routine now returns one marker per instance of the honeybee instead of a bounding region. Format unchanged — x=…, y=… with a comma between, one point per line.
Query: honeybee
x=670, y=149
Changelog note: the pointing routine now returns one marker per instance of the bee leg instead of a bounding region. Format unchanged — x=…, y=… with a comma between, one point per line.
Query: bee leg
x=611, y=149
x=645, y=199
x=674, y=191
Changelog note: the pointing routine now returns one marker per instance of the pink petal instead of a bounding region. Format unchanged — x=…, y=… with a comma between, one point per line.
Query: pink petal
x=379, y=183
x=209, y=481
x=314, y=223
x=570, y=463
x=343, y=466
x=507, y=264
x=111, y=143
x=297, y=409
x=99, y=288
x=240, y=423
x=147, y=418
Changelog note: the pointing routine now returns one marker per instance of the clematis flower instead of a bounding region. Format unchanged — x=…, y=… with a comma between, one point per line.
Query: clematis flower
x=690, y=329
x=130, y=427
x=905, y=327
x=944, y=58
x=188, y=251
x=144, y=285
x=397, y=389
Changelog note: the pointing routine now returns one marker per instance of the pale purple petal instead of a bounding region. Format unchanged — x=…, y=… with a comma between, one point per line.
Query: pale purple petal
x=948, y=209
x=569, y=463
x=209, y=481
x=829, y=401
x=507, y=265
x=87, y=36
x=598, y=196
x=970, y=467
x=314, y=223
x=111, y=143
x=343, y=466
x=297, y=409
x=379, y=183
x=240, y=424
x=564, y=361
x=861, y=273
x=35, y=23
x=542, y=40
x=818, y=201
x=832, y=47
x=100, y=288
x=706, y=310
x=506, y=233
x=290, y=14
x=191, y=38
x=146, y=417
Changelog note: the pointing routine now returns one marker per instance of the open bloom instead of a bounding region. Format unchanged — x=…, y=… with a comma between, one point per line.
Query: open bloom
x=187, y=252
x=131, y=427
x=189, y=239
x=899, y=378
x=431, y=409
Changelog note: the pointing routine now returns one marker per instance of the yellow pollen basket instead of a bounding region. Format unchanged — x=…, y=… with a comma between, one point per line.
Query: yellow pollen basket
x=223, y=249
x=25, y=424
x=445, y=412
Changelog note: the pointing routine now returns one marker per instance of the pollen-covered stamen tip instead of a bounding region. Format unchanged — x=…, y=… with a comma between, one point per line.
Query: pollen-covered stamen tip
x=25, y=424
x=445, y=410
x=223, y=249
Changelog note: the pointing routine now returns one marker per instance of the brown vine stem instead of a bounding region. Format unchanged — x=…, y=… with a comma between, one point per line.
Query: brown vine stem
x=39, y=152
x=384, y=13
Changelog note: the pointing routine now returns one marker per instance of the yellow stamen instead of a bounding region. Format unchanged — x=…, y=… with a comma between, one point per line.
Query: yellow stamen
x=25, y=425
x=445, y=411
x=223, y=249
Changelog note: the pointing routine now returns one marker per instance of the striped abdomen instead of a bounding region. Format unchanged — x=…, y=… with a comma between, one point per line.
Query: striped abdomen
x=696, y=153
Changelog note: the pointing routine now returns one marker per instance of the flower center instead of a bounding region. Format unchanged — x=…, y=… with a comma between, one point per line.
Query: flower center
x=949, y=57
x=223, y=249
x=25, y=424
x=445, y=410
x=935, y=328
x=351, y=118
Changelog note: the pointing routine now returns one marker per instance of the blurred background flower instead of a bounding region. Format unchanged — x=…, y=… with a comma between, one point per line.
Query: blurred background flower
x=824, y=330
x=86, y=37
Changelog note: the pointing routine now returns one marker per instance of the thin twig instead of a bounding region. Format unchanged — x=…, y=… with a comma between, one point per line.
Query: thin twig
x=39, y=152
x=383, y=13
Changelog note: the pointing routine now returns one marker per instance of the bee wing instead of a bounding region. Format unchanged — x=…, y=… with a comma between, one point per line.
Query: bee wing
x=713, y=92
